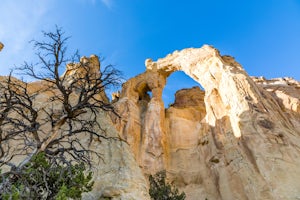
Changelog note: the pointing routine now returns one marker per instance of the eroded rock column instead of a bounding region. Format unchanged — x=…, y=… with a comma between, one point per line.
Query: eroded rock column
x=142, y=118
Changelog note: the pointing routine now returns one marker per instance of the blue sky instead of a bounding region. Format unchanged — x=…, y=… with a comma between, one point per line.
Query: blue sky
x=264, y=36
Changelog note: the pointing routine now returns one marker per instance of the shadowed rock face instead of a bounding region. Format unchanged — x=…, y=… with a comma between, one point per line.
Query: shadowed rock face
x=237, y=140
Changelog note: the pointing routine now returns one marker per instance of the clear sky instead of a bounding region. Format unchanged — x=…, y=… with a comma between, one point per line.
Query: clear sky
x=263, y=35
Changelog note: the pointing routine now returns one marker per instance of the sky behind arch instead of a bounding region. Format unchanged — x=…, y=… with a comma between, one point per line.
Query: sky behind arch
x=263, y=36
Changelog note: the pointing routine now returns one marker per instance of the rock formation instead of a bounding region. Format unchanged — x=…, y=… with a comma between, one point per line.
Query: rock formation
x=142, y=114
x=238, y=139
x=116, y=173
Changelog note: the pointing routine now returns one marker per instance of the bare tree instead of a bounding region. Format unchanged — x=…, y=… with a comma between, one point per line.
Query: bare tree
x=54, y=128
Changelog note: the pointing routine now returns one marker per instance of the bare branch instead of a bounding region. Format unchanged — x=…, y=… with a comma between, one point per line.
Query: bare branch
x=54, y=126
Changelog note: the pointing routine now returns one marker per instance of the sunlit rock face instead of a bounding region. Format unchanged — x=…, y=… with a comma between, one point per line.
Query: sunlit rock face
x=237, y=139
x=142, y=114
x=116, y=173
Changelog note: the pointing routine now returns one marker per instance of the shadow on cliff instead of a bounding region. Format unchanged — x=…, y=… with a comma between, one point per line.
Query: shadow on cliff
x=265, y=149
x=246, y=167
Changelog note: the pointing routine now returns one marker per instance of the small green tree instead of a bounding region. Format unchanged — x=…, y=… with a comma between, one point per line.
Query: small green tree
x=42, y=179
x=160, y=190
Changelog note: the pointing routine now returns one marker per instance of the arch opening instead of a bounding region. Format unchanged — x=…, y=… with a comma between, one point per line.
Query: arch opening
x=176, y=82
x=145, y=93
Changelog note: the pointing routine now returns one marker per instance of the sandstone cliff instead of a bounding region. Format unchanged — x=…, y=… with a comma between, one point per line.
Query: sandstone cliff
x=238, y=139
x=116, y=173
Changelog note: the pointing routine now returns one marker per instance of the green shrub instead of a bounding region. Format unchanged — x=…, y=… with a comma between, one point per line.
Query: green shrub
x=42, y=179
x=160, y=190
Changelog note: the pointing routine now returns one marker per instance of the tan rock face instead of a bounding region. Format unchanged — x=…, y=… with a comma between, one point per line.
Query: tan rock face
x=237, y=140
x=117, y=174
x=141, y=124
x=285, y=90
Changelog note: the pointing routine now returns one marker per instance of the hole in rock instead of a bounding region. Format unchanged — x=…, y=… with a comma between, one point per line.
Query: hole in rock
x=177, y=81
x=145, y=94
x=149, y=93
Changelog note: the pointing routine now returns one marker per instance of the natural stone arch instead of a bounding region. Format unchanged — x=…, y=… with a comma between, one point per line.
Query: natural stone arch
x=218, y=146
x=226, y=86
x=215, y=73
